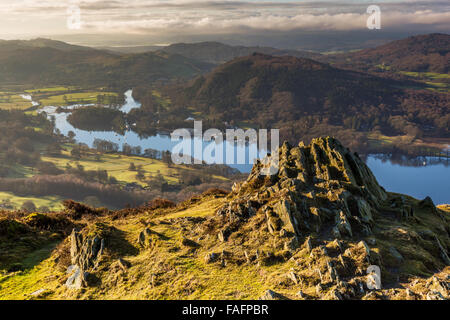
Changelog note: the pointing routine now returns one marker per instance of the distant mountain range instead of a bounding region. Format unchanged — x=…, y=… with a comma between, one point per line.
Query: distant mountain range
x=423, y=53
x=45, y=61
x=214, y=52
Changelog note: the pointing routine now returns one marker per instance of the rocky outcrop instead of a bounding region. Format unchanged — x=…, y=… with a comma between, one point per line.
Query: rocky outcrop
x=85, y=252
x=322, y=185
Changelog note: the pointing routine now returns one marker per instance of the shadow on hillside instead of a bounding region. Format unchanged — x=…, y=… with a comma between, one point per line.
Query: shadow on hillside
x=119, y=245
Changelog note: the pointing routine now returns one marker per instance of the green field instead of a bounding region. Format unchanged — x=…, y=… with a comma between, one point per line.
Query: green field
x=9, y=101
x=10, y=201
x=50, y=90
x=75, y=98
x=439, y=82
x=116, y=165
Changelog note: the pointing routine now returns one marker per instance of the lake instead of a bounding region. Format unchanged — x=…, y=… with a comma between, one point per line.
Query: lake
x=419, y=177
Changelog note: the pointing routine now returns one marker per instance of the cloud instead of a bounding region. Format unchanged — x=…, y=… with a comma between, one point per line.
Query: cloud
x=233, y=16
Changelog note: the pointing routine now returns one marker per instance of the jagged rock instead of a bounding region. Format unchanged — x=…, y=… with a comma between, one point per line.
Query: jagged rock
x=332, y=271
x=124, y=265
x=292, y=244
x=145, y=238
x=441, y=286
x=343, y=226
x=335, y=295
x=247, y=257
x=342, y=261
x=77, y=278
x=291, y=275
x=319, y=289
x=442, y=252
x=293, y=199
x=272, y=295
x=85, y=252
x=363, y=245
x=428, y=203
x=435, y=295
x=409, y=293
x=308, y=244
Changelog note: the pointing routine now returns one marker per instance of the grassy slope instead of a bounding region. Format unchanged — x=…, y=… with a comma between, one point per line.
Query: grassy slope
x=171, y=270
x=117, y=166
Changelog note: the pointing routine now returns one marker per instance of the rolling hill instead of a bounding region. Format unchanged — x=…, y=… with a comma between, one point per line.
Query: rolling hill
x=213, y=52
x=423, y=53
x=303, y=97
x=44, y=62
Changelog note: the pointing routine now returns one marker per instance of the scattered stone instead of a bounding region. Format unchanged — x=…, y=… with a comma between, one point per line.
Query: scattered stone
x=247, y=257
x=37, y=293
x=189, y=243
x=272, y=295
x=291, y=275
x=409, y=293
x=308, y=244
x=211, y=257
x=221, y=236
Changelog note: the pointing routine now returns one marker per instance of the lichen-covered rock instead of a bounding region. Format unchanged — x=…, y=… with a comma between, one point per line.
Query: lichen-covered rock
x=86, y=250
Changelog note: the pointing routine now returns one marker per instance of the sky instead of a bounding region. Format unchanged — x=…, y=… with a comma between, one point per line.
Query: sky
x=165, y=18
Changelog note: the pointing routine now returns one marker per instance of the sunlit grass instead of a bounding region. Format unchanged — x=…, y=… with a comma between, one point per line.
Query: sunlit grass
x=10, y=101
x=74, y=98
x=16, y=202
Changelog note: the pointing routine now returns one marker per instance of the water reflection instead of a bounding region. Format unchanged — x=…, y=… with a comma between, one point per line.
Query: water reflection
x=416, y=176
